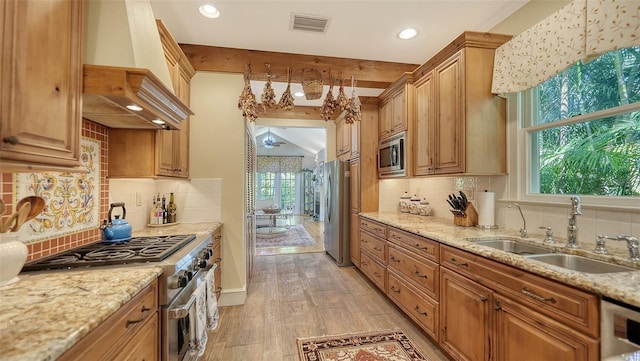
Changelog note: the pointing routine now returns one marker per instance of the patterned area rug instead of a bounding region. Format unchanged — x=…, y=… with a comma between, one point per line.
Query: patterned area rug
x=295, y=236
x=391, y=345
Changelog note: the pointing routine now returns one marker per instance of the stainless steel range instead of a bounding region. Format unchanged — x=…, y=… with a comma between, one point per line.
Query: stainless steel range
x=184, y=259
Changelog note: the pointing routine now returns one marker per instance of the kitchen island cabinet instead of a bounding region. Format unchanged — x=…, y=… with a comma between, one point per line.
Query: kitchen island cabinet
x=41, y=85
x=460, y=126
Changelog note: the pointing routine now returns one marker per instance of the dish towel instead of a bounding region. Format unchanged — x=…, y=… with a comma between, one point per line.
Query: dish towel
x=198, y=321
x=212, y=302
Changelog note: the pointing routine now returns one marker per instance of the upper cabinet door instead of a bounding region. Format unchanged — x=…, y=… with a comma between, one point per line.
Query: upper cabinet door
x=41, y=83
x=423, y=127
x=450, y=118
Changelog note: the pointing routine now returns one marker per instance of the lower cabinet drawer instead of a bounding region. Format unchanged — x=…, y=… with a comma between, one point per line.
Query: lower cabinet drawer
x=374, y=270
x=374, y=246
x=424, y=273
x=417, y=305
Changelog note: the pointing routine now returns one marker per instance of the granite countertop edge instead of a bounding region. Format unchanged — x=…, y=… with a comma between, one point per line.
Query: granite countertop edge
x=46, y=313
x=621, y=286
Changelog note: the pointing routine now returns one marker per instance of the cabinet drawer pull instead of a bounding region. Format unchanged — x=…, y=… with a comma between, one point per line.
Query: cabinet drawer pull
x=377, y=274
x=419, y=275
x=393, y=259
x=396, y=236
x=364, y=241
x=453, y=260
x=394, y=289
x=527, y=292
x=145, y=314
x=379, y=229
x=364, y=263
x=376, y=248
x=13, y=140
x=218, y=289
x=417, y=245
x=417, y=309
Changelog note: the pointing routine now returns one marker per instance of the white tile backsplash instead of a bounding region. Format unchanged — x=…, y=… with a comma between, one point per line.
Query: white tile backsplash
x=591, y=223
x=198, y=200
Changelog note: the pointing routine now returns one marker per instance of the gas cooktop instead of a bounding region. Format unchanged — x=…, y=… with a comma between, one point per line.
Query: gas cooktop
x=137, y=250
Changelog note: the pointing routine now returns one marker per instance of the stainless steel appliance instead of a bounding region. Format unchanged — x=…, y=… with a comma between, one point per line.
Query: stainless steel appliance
x=337, y=211
x=184, y=259
x=620, y=331
x=391, y=156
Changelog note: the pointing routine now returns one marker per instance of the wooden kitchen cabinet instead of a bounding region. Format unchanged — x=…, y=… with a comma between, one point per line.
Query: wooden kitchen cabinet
x=460, y=126
x=396, y=107
x=522, y=313
x=217, y=256
x=464, y=317
x=41, y=85
x=157, y=153
x=343, y=138
x=132, y=333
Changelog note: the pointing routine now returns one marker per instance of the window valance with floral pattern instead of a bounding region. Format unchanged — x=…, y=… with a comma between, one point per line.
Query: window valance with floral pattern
x=276, y=164
x=580, y=30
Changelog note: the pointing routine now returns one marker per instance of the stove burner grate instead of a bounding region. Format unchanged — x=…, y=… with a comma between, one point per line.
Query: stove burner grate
x=137, y=250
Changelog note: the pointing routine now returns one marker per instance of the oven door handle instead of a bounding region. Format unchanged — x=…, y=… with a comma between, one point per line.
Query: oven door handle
x=182, y=311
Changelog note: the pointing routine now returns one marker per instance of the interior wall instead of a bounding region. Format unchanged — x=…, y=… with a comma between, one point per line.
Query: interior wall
x=217, y=150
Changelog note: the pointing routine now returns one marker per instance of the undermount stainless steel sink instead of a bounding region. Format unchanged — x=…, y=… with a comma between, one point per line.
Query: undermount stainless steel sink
x=512, y=246
x=579, y=263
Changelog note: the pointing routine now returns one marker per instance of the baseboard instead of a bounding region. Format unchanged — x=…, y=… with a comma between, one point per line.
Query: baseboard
x=233, y=297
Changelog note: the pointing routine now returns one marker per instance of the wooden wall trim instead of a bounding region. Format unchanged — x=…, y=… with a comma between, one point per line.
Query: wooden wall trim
x=368, y=73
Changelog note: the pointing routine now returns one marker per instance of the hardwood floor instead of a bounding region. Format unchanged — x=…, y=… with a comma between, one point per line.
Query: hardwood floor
x=303, y=295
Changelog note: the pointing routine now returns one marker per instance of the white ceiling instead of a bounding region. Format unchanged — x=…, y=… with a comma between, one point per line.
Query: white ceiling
x=358, y=29
x=311, y=140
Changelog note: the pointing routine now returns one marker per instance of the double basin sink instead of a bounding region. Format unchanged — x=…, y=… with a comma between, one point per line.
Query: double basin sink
x=541, y=254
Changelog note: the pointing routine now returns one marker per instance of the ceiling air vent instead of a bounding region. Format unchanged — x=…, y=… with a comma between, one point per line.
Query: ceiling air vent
x=312, y=23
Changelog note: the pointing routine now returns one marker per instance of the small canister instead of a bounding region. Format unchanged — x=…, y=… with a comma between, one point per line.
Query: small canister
x=414, y=206
x=424, y=208
x=405, y=199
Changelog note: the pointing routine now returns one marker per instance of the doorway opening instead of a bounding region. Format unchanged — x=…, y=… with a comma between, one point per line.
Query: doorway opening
x=288, y=189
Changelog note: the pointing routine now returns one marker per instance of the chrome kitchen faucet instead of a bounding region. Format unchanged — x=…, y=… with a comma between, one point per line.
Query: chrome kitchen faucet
x=572, y=229
x=523, y=230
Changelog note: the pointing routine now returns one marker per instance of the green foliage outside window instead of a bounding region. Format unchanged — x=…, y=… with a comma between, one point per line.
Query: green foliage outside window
x=583, y=153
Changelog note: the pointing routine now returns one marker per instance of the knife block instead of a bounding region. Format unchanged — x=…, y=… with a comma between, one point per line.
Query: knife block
x=469, y=220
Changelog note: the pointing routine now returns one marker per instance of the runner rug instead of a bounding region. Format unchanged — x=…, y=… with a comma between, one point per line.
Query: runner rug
x=390, y=345
x=295, y=236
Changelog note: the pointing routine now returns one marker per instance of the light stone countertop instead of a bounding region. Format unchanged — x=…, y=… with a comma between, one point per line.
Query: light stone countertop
x=622, y=286
x=45, y=313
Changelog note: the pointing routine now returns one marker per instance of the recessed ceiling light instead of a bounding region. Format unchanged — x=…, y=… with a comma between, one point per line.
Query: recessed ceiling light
x=407, y=33
x=299, y=94
x=209, y=11
x=158, y=121
x=134, y=107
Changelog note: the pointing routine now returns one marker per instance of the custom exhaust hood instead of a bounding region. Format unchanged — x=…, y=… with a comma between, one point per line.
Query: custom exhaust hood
x=126, y=80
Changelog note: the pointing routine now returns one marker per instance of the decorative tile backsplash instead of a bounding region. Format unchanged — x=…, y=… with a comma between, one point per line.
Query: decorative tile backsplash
x=50, y=233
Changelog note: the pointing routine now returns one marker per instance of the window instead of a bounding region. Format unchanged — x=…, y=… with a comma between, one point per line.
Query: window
x=582, y=129
x=266, y=183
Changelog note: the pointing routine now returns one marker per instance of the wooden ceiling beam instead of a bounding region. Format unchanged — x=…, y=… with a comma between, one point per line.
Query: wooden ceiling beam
x=306, y=112
x=368, y=73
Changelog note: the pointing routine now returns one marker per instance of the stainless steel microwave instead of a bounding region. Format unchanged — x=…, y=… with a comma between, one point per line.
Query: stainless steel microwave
x=391, y=156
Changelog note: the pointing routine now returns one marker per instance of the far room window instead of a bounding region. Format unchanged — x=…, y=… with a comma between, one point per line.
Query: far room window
x=582, y=128
x=266, y=184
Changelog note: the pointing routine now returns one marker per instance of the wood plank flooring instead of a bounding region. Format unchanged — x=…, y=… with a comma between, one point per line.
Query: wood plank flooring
x=304, y=295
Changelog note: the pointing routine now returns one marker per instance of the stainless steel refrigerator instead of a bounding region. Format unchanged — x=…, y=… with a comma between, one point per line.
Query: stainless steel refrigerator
x=337, y=211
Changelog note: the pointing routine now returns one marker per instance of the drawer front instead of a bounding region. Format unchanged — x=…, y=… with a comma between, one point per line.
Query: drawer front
x=374, y=246
x=145, y=305
x=420, y=307
x=376, y=228
x=422, y=246
x=570, y=306
x=424, y=273
x=374, y=270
